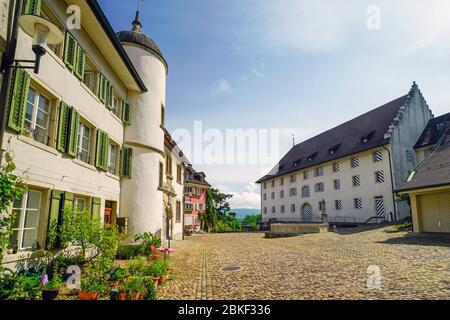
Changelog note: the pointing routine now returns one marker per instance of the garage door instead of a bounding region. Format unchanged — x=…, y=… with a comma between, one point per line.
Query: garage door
x=435, y=212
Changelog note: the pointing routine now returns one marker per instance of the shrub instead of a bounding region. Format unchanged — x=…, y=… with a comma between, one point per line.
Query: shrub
x=139, y=267
x=133, y=285
x=150, y=287
x=93, y=279
x=147, y=239
x=159, y=267
x=25, y=287
x=117, y=274
x=127, y=252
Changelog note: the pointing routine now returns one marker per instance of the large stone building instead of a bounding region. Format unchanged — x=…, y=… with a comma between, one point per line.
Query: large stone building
x=352, y=170
x=88, y=130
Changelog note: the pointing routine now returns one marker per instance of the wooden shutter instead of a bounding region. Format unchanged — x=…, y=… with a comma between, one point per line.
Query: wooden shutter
x=55, y=210
x=109, y=95
x=96, y=207
x=70, y=51
x=73, y=136
x=101, y=159
x=68, y=200
x=18, y=100
x=103, y=89
x=125, y=162
x=80, y=63
x=32, y=7
x=63, y=127
x=126, y=116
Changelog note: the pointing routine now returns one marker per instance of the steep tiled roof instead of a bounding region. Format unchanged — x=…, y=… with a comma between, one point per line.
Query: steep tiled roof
x=195, y=177
x=433, y=131
x=434, y=170
x=362, y=133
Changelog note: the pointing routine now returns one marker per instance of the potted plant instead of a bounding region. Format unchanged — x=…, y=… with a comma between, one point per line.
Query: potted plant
x=50, y=290
x=91, y=289
x=116, y=277
x=159, y=269
x=132, y=288
x=150, y=288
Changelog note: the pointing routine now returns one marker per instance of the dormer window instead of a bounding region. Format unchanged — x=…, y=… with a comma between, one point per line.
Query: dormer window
x=297, y=163
x=334, y=149
x=367, y=137
x=311, y=157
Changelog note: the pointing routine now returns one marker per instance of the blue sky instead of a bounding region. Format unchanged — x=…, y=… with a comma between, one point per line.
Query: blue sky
x=301, y=66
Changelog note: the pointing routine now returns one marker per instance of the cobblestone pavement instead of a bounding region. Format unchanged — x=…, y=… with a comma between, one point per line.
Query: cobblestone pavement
x=316, y=266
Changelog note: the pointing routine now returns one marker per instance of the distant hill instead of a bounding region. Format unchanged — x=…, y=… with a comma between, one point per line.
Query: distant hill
x=241, y=213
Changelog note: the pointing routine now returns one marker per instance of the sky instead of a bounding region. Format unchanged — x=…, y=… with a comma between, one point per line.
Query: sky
x=286, y=67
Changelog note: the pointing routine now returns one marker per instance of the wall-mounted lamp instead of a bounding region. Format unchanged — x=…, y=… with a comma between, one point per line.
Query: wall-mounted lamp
x=43, y=32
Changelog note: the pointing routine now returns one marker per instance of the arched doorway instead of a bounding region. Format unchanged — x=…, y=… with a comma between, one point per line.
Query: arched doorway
x=307, y=213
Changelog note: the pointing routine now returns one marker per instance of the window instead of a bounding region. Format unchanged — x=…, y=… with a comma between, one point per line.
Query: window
x=377, y=156
x=357, y=203
x=355, y=162
x=306, y=192
x=200, y=207
x=265, y=210
x=178, y=212
x=321, y=206
x=318, y=172
x=379, y=206
x=293, y=178
x=410, y=155
x=282, y=182
x=198, y=191
x=273, y=210
x=273, y=195
x=336, y=167
x=273, y=183
x=168, y=164
x=84, y=142
x=189, y=206
x=379, y=177
x=27, y=211
x=282, y=209
x=337, y=184
x=90, y=77
x=292, y=207
x=305, y=175
x=116, y=105
x=112, y=166
x=319, y=187
x=188, y=190
x=264, y=185
x=179, y=173
x=338, y=205
x=265, y=196
x=80, y=204
x=37, y=116
x=356, y=181
x=282, y=194
x=163, y=116
x=293, y=192
x=161, y=174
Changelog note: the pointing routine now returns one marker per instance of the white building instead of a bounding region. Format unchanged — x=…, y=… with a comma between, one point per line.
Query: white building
x=354, y=168
x=88, y=130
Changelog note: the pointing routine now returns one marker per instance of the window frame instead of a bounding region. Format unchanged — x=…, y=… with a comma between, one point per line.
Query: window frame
x=83, y=125
x=116, y=157
x=38, y=95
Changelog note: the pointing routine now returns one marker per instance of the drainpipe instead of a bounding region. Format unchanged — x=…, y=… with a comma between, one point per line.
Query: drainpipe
x=392, y=183
x=14, y=12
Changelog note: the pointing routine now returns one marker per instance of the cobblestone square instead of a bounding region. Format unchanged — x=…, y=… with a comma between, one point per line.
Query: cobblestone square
x=316, y=266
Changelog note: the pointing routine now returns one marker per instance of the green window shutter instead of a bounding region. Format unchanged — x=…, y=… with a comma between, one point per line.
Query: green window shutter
x=63, y=127
x=80, y=63
x=125, y=162
x=32, y=7
x=73, y=137
x=96, y=207
x=55, y=211
x=126, y=116
x=70, y=51
x=102, y=88
x=101, y=159
x=68, y=200
x=18, y=99
x=109, y=95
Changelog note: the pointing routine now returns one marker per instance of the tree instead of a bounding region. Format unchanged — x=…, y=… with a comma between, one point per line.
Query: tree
x=209, y=219
x=221, y=202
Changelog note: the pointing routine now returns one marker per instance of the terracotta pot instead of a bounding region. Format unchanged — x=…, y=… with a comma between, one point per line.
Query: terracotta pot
x=50, y=294
x=156, y=281
x=122, y=296
x=135, y=296
x=89, y=295
x=163, y=278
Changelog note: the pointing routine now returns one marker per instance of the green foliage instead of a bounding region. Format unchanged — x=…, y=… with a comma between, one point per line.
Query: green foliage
x=220, y=201
x=11, y=188
x=132, y=285
x=139, y=267
x=251, y=221
x=24, y=287
x=147, y=239
x=117, y=274
x=150, y=287
x=53, y=284
x=210, y=216
x=127, y=252
x=406, y=226
x=94, y=279
x=159, y=267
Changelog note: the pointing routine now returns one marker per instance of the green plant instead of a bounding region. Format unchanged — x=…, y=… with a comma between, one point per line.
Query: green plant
x=118, y=274
x=127, y=252
x=139, y=267
x=147, y=240
x=133, y=285
x=159, y=267
x=25, y=287
x=94, y=279
x=53, y=284
x=150, y=293
x=11, y=188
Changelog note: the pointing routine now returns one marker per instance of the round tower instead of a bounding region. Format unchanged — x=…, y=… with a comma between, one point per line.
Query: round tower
x=141, y=198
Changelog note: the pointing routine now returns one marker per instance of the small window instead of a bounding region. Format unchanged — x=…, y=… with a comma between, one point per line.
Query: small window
x=84, y=142
x=306, y=192
x=321, y=206
x=273, y=210
x=338, y=205
x=265, y=196
x=318, y=172
x=116, y=107
x=161, y=175
x=282, y=182
x=282, y=209
x=198, y=191
x=293, y=192
x=377, y=156
x=357, y=203
x=273, y=183
x=293, y=178
x=272, y=195
x=292, y=207
x=336, y=167
x=305, y=175
x=188, y=190
x=355, y=162
x=356, y=181
x=200, y=207
x=37, y=116
x=80, y=204
x=337, y=184
x=264, y=185
x=179, y=173
x=319, y=187
x=379, y=176
x=265, y=210
x=169, y=164
x=163, y=116
x=282, y=194
x=189, y=206
x=90, y=75
x=113, y=152
x=178, y=212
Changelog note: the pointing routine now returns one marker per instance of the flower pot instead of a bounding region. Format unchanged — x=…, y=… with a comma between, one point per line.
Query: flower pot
x=122, y=296
x=50, y=294
x=89, y=295
x=156, y=281
x=163, y=278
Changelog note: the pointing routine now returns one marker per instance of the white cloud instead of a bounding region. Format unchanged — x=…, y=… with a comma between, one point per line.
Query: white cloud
x=222, y=86
x=248, y=199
